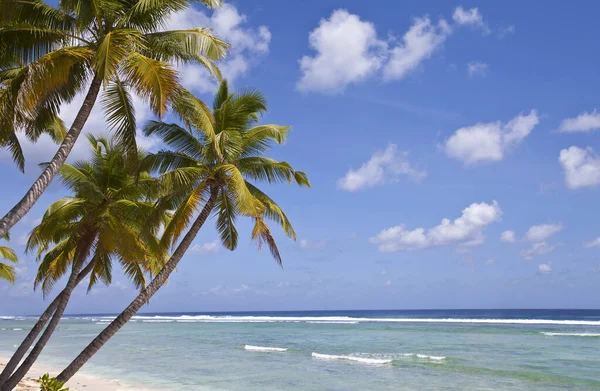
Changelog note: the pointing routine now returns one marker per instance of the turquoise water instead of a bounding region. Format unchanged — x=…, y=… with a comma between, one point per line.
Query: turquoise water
x=352, y=350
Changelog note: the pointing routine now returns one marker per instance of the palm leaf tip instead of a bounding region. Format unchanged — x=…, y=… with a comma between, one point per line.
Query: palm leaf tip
x=262, y=234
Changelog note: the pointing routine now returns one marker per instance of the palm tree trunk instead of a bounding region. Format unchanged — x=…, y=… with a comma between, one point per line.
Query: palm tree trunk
x=38, y=327
x=38, y=187
x=142, y=298
x=60, y=309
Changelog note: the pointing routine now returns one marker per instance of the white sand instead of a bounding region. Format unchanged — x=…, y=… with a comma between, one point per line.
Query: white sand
x=79, y=382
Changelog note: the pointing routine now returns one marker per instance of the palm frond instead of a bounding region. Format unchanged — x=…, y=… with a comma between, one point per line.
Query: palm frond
x=273, y=211
x=177, y=137
x=120, y=117
x=152, y=79
x=183, y=216
x=193, y=112
x=190, y=44
x=8, y=254
x=7, y=273
x=113, y=48
x=262, y=234
x=226, y=215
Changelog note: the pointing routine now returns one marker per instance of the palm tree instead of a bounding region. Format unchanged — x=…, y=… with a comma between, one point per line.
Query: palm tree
x=216, y=163
x=111, y=216
x=48, y=55
x=7, y=272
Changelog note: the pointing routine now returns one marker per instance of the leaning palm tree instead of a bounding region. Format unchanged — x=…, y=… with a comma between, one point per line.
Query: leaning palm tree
x=49, y=55
x=7, y=272
x=216, y=163
x=112, y=216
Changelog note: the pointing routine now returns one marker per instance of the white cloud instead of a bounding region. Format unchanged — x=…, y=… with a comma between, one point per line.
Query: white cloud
x=539, y=233
x=581, y=166
x=418, y=44
x=508, y=236
x=467, y=229
x=206, y=248
x=388, y=283
x=347, y=49
x=382, y=167
x=593, y=243
x=489, y=141
x=491, y=261
x=537, y=249
x=544, y=268
x=584, y=122
x=470, y=17
x=477, y=68
x=248, y=44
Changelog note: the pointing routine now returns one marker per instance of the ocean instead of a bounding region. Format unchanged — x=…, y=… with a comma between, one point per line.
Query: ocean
x=337, y=350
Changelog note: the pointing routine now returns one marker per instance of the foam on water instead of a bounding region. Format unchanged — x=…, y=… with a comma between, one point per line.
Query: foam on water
x=435, y=358
x=363, y=360
x=349, y=320
x=571, y=334
x=264, y=349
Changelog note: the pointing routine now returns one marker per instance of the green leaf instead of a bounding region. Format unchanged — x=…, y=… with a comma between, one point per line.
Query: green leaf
x=120, y=117
x=152, y=79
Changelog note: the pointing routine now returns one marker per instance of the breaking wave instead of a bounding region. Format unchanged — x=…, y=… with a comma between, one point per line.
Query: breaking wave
x=263, y=349
x=354, y=320
x=571, y=334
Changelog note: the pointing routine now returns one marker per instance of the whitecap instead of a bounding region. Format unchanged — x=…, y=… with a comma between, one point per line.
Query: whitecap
x=347, y=319
x=363, y=360
x=571, y=334
x=264, y=349
x=436, y=358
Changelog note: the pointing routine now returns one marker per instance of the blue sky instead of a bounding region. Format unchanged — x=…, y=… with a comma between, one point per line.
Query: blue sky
x=452, y=148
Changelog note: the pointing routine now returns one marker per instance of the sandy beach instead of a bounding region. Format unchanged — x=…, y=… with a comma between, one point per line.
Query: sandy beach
x=79, y=382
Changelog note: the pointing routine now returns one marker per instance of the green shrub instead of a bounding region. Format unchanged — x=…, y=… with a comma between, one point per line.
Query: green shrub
x=48, y=383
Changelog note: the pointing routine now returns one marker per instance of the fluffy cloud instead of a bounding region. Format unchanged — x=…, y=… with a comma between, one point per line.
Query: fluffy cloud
x=418, y=44
x=539, y=233
x=544, y=268
x=470, y=17
x=593, y=243
x=206, y=248
x=477, y=68
x=537, y=249
x=248, y=44
x=584, y=122
x=508, y=236
x=491, y=261
x=466, y=229
x=581, y=167
x=348, y=50
x=489, y=141
x=383, y=166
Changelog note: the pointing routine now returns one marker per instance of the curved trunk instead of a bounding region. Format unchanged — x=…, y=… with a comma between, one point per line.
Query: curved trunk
x=38, y=187
x=37, y=328
x=60, y=309
x=142, y=298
